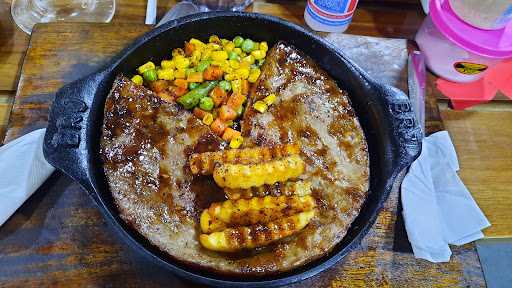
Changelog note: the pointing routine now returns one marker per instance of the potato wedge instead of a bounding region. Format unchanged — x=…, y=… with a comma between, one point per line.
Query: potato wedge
x=249, y=237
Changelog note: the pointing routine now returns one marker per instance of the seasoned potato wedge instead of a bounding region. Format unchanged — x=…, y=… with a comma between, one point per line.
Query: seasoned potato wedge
x=243, y=212
x=204, y=163
x=252, y=175
x=248, y=237
x=288, y=188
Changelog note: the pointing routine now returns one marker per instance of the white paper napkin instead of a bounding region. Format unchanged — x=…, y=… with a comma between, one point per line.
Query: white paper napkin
x=22, y=170
x=438, y=209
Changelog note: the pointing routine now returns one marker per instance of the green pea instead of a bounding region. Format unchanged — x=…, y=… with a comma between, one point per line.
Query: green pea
x=192, y=85
x=233, y=56
x=225, y=85
x=248, y=45
x=150, y=75
x=206, y=103
x=238, y=41
x=203, y=65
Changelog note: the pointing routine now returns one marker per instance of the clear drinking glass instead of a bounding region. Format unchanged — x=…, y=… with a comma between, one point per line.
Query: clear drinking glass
x=217, y=5
x=26, y=13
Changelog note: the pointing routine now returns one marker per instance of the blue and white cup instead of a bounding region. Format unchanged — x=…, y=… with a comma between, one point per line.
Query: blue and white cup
x=329, y=15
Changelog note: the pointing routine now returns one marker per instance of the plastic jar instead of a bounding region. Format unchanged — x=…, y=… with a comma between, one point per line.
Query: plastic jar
x=457, y=51
x=329, y=15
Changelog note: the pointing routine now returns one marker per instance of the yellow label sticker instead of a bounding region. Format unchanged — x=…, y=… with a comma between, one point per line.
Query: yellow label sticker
x=469, y=68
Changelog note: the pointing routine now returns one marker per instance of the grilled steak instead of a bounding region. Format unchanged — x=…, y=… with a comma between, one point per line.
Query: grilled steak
x=146, y=143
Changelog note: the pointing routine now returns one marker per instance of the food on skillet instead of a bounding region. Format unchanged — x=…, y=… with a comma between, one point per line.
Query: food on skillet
x=289, y=188
x=204, y=163
x=277, y=190
x=211, y=79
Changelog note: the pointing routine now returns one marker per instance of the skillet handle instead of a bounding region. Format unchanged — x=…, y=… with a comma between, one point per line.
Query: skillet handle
x=64, y=142
x=407, y=135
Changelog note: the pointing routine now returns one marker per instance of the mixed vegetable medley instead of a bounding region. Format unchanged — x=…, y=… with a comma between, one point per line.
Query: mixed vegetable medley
x=212, y=79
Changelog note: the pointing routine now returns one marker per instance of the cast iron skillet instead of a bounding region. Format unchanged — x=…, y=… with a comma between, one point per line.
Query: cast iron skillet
x=72, y=140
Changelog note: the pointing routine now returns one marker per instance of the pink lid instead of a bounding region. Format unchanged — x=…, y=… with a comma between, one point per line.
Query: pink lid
x=488, y=43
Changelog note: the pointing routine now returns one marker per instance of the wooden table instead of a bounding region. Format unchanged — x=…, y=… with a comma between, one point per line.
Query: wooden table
x=482, y=135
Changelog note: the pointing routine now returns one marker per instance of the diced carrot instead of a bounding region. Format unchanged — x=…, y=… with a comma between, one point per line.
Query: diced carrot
x=213, y=73
x=177, y=91
x=230, y=133
x=189, y=48
x=180, y=91
x=158, y=85
x=166, y=96
x=199, y=113
x=227, y=113
x=195, y=77
x=218, y=95
x=236, y=100
x=182, y=83
x=245, y=87
x=218, y=126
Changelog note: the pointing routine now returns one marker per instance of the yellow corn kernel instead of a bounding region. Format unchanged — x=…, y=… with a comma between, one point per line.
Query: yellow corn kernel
x=167, y=64
x=196, y=57
x=234, y=239
x=245, y=65
x=197, y=43
x=219, y=55
x=237, y=51
x=204, y=163
x=214, y=39
x=148, y=66
x=236, y=86
x=137, y=79
x=180, y=74
x=228, y=47
x=253, y=175
x=216, y=63
x=181, y=62
x=242, y=73
x=165, y=74
x=236, y=142
x=234, y=64
x=224, y=42
x=230, y=77
x=264, y=46
x=270, y=99
x=254, y=74
x=260, y=106
x=206, y=54
x=213, y=46
x=248, y=59
x=258, y=54
x=228, y=70
x=208, y=119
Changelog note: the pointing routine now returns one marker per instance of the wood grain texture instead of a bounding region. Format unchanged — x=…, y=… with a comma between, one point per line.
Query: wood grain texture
x=59, y=238
x=6, y=99
x=483, y=141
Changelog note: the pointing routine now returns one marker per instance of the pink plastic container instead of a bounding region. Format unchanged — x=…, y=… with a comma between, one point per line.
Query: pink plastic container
x=457, y=51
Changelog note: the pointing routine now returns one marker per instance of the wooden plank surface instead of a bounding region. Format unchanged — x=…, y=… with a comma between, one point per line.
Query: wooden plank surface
x=6, y=99
x=59, y=236
x=483, y=140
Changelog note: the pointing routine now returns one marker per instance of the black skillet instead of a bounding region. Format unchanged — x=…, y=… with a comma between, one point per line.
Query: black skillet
x=72, y=139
